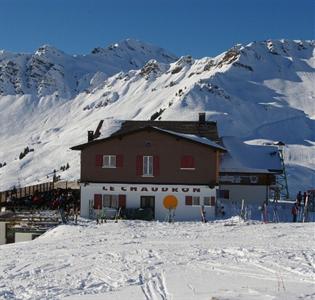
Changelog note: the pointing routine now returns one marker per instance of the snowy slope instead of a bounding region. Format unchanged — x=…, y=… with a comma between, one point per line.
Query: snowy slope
x=152, y=260
x=261, y=92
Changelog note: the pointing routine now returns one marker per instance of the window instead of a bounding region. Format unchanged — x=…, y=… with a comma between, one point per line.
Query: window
x=147, y=166
x=147, y=202
x=187, y=162
x=109, y=161
x=224, y=194
x=114, y=201
x=110, y=201
x=195, y=200
x=188, y=200
x=209, y=201
x=192, y=200
x=106, y=200
x=206, y=201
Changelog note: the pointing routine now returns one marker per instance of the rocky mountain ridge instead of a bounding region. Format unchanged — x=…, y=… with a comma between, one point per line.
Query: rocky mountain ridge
x=51, y=71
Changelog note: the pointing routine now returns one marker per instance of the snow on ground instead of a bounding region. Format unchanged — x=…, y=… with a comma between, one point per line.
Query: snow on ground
x=153, y=260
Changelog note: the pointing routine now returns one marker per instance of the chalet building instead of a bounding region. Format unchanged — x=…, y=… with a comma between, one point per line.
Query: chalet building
x=168, y=166
x=160, y=165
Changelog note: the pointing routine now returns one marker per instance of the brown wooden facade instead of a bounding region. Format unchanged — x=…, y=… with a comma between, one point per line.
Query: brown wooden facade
x=168, y=152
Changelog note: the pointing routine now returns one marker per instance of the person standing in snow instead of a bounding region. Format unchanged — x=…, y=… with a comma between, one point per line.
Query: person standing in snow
x=62, y=206
x=299, y=198
x=222, y=212
x=294, y=211
x=98, y=214
x=203, y=214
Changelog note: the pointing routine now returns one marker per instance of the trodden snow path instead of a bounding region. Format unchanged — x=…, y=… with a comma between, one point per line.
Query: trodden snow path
x=153, y=260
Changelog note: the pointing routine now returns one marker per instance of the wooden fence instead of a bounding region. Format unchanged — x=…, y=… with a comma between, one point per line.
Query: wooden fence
x=42, y=187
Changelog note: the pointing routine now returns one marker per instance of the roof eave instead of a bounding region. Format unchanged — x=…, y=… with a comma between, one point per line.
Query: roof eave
x=82, y=146
x=78, y=147
x=276, y=171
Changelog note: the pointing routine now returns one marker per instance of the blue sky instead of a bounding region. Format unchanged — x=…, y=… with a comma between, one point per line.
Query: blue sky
x=197, y=27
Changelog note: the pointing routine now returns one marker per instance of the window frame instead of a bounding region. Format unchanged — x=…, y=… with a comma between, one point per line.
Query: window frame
x=111, y=157
x=193, y=201
x=204, y=201
x=113, y=199
x=146, y=161
x=212, y=201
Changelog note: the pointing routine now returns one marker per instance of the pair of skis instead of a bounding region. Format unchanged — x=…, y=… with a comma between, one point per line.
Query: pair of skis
x=171, y=215
x=203, y=214
x=117, y=215
x=305, y=211
x=102, y=217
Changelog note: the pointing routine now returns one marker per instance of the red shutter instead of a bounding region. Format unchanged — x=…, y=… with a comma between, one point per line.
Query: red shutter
x=119, y=161
x=122, y=201
x=226, y=194
x=187, y=162
x=191, y=162
x=182, y=162
x=139, y=165
x=97, y=201
x=212, y=201
x=188, y=200
x=99, y=160
x=156, y=165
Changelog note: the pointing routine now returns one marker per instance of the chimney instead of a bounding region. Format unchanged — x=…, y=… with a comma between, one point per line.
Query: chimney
x=202, y=118
x=90, y=135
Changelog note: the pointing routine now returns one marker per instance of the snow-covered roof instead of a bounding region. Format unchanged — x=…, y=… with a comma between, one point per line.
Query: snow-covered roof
x=192, y=137
x=245, y=158
x=206, y=129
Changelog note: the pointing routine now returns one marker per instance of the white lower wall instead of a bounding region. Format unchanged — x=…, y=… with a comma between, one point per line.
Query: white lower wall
x=2, y=233
x=23, y=236
x=182, y=213
x=252, y=194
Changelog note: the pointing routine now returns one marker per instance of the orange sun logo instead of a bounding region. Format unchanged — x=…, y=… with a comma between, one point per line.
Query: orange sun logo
x=170, y=202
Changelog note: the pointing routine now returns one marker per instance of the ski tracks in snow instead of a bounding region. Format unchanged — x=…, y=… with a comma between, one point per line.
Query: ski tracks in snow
x=160, y=261
x=151, y=278
x=154, y=287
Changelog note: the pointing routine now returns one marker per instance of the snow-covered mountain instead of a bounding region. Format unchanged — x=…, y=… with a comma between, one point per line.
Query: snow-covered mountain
x=50, y=71
x=261, y=92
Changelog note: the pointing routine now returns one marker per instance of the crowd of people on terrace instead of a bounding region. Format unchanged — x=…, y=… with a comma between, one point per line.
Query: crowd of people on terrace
x=65, y=200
